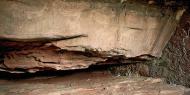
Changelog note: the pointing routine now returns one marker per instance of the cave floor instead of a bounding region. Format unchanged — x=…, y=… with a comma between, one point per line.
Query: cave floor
x=90, y=83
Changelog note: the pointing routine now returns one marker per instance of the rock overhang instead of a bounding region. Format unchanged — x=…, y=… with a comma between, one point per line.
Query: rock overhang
x=70, y=34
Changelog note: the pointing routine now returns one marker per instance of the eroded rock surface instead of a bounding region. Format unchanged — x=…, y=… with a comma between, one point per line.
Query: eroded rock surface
x=94, y=83
x=63, y=34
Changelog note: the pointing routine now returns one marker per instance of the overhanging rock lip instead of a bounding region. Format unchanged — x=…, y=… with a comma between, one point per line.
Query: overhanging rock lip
x=103, y=23
x=117, y=32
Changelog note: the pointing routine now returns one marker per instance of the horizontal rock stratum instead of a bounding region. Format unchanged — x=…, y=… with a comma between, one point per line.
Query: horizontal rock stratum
x=73, y=34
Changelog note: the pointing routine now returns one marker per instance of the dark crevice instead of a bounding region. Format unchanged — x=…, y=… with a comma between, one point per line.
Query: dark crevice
x=50, y=72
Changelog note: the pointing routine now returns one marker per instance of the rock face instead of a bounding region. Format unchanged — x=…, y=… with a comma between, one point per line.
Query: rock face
x=174, y=65
x=69, y=34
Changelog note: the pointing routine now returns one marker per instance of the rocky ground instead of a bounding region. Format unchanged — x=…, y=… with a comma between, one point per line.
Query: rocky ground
x=90, y=83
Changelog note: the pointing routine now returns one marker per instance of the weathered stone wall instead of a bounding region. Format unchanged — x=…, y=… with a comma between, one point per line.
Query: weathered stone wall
x=71, y=34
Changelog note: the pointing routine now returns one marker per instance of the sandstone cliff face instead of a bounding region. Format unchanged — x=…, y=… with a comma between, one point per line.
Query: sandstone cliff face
x=64, y=34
